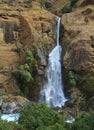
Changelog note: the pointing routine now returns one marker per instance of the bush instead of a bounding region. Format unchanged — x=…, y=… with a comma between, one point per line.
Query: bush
x=37, y=116
x=24, y=73
x=67, y=8
x=73, y=2
x=53, y=127
x=72, y=78
x=29, y=58
x=48, y=5
x=84, y=122
x=4, y=125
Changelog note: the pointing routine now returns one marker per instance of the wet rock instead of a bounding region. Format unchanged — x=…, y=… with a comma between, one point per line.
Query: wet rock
x=13, y=104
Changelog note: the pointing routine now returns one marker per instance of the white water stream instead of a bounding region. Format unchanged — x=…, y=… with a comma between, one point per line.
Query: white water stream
x=10, y=117
x=52, y=90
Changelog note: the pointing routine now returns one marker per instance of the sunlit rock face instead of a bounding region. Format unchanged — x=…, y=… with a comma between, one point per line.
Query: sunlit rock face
x=78, y=46
x=22, y=29
x=79, y=54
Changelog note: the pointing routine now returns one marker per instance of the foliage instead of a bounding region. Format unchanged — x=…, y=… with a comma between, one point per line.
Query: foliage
x=72, y=78
x=24, y=72
x=53, y=127
x=87, y=83
x=48, y=5
x=39, y=115
x=84, y=122
x=29, y=58
x=4, y=125
x=73, y=2
x=68, y=7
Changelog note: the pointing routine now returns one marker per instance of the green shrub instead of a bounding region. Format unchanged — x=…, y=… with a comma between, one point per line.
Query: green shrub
x=72, y=78
x=24, y=73
x=73, y=2
x=53, y=127
x=38, y=116
x=84, y=122
x=48, y=5
x=4, y=125
x=67, y=8
x=29, y=58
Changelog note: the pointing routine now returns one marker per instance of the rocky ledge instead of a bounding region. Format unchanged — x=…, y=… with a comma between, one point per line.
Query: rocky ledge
x=12, y=104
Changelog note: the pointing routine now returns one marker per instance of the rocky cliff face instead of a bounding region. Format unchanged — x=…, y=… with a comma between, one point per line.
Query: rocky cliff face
x=9, y=59
x=78, y=50
x=21, y=29
x=37, y=34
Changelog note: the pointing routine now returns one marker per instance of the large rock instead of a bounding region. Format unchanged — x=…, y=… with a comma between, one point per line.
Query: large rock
x=13, y=104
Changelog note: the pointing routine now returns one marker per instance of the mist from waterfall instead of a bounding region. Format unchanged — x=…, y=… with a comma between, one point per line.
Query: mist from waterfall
x=52, y=89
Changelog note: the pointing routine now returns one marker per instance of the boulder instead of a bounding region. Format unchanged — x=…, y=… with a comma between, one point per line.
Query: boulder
x=13, y=104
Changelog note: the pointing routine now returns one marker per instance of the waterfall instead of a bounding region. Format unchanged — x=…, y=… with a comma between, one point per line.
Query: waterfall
x=52, y=89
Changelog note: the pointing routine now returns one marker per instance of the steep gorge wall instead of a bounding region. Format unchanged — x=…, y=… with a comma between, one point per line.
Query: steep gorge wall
x=78, y=46
x=9, y=60
x=38, y=35
x=20, y=31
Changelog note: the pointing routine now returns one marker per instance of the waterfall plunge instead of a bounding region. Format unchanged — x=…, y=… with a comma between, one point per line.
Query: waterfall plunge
x=52, y=90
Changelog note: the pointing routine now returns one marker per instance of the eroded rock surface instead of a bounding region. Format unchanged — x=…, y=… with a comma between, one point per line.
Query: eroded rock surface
x=13, y=104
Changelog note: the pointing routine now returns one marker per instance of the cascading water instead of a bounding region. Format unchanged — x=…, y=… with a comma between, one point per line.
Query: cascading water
x=52, y=90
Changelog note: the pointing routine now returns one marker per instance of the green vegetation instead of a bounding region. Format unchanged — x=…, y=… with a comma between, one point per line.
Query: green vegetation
x=86, y=83
x=4, y=125
x=24, y=72
x=53, y=127
x=48, y=5
x=68, y=7
x=65, y=45
x=73, y=2
x=72, y=78
x=41, y=117
x=38, y=116
x=84, y=122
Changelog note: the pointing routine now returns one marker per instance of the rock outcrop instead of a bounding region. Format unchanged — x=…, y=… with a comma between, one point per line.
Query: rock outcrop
x=13, y=104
